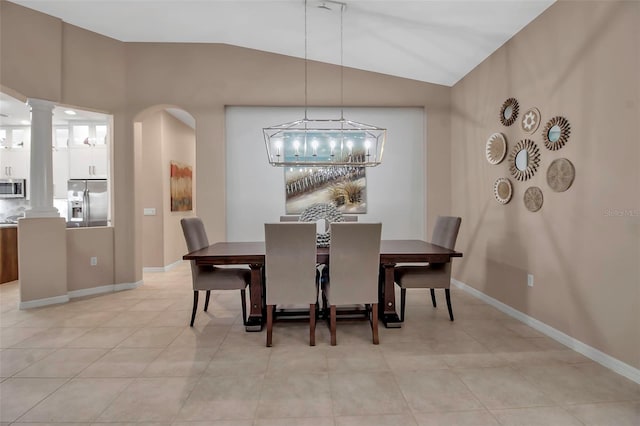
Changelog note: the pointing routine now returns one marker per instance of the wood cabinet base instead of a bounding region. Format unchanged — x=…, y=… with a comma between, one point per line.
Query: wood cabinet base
x=8, y=254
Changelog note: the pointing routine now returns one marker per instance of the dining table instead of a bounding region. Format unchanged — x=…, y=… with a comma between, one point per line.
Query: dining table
x=252, y=253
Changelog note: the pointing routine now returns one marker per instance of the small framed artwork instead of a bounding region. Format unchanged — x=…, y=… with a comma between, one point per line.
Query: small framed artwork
x=181, y=187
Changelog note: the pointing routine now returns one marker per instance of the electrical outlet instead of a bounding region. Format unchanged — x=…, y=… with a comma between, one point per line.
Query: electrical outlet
x=94, y=261
x=530, y=280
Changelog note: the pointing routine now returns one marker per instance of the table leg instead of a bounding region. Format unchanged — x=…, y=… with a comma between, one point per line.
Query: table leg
x=389, y=316
x=254, y=322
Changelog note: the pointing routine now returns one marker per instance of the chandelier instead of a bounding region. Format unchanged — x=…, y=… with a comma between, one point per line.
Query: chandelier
x=324, y=142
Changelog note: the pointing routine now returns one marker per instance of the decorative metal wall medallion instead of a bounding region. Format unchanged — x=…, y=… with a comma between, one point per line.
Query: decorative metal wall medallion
x=560, y=174
x=509, y=111
x=503, y=190
x=533, y=198
x=496, y=148
x=524, y=159
x=556, y=133
x=530, y=120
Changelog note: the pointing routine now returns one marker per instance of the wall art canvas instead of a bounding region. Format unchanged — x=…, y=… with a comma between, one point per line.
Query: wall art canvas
x=344, y=187
x=181, y=187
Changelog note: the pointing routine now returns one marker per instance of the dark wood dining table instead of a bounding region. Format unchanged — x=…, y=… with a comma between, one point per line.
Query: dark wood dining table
x=392, y=252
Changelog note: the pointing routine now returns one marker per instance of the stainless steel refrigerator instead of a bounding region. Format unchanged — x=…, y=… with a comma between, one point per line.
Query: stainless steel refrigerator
x=88, y=203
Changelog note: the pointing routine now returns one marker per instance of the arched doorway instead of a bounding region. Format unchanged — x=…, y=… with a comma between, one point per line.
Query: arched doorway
x=165, y=136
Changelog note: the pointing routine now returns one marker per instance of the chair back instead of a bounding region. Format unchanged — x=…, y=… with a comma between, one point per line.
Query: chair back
x=290, y=262
x=354, y=262
x=445, y=231
x=290, y=218
x=194, y=233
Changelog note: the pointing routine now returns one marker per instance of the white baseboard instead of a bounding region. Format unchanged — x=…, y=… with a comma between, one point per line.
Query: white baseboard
x=103, y=289
x=90, y=291
x=79, y=293
x=127, y=286
x=162, y=268
x=596, y=355
x=29, y=304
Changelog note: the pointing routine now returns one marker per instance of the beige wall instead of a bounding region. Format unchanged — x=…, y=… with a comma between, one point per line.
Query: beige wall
x=42, y=258
x=164, y=139
x=126, y=78
x=579, y=60
x=203, y=78
x=152, y=190
x=82, y=245
x=178, y=144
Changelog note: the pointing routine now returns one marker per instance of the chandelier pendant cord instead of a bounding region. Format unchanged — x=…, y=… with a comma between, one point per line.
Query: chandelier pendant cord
x=341, y=63
x=305, y=62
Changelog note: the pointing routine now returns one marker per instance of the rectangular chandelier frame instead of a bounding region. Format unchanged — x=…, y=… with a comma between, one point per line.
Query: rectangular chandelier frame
x=324, y=142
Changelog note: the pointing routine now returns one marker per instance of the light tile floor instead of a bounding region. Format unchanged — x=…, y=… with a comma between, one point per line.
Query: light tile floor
x=130, y=358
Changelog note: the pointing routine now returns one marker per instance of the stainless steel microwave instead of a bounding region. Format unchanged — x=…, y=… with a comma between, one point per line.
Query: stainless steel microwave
x=13, y=188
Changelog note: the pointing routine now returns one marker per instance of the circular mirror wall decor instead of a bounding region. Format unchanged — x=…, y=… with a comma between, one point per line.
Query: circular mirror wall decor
x=560, y=174
x=556, y=133
x=509, y=111
x=496, y=148
x=503, y=190
x=533, y=198
x=524, y=159
x=530, y=120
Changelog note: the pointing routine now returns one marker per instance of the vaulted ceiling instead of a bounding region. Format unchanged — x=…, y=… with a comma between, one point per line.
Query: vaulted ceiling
x=432, y=41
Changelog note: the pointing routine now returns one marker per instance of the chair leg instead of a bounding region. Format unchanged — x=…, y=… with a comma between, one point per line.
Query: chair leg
x=374, y=324
x=324, y=306
x=333, y=324
x=206, y=300
x=195, y=307
x=448, y=295
x=270, y=325
x=433, y=297
x=243, y=299
x=403, y=301
x=312, y=324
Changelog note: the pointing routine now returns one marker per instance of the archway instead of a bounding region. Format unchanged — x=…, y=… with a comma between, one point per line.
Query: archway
x=165, y=138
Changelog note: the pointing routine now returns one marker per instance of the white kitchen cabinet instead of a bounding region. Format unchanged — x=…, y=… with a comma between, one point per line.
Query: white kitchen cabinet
x=60, y=162
x=90, y=162
x=14, y=163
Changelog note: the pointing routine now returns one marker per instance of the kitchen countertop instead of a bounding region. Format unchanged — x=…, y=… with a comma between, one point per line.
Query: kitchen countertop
x=8, y=225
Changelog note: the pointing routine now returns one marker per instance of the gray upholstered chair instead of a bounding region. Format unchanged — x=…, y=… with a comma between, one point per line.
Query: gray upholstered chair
x=354, y=266
x=431, y=275
x=211, y=277
x=290, y=270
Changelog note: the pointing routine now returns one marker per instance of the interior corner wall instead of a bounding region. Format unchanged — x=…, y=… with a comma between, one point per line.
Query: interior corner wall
x=31, y=46
x=152, y=190
x=179, y=145
x=579, y=60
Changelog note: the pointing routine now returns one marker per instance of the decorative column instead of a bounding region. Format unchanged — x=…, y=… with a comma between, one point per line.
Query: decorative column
x=41, y=175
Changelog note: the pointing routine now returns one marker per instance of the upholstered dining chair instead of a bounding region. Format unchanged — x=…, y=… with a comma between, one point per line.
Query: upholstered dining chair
x=431, y=275
x=211, y=277
x=354, y=266
x=290, y=270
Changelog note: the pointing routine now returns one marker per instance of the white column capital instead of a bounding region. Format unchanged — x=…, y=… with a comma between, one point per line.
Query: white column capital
x=41, y=104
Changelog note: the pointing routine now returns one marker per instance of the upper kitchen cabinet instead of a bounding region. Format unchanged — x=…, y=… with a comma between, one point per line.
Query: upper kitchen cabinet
x=88, y=163
x=14, y=152
x=88, y=153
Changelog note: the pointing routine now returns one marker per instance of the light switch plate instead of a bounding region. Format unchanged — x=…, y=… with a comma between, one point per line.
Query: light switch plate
x=149, y=211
